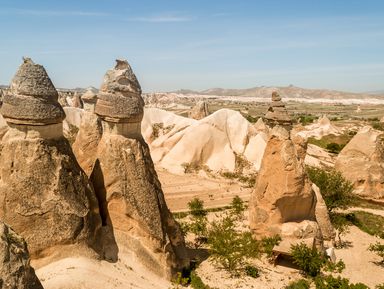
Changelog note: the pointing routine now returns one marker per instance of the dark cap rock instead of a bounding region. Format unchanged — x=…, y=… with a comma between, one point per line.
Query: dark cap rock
x=32, y=98
x=119, y=98
x=277, y=113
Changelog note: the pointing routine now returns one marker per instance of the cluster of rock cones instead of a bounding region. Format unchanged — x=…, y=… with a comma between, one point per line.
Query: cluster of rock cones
x=112, y=201
x=102, y=196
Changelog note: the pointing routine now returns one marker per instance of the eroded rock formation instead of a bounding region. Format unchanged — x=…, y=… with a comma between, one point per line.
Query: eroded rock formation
x=15, y=269
x=199, y=111
x=44, y=194
x=277, y=113
x=130, y=195
x=361, y=161
x=283, y=201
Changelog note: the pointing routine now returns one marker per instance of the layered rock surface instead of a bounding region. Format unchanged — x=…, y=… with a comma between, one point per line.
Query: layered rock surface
x=15, y=269
x=44, y=194
x=122, y=172
x=365, y=151
x=32, y=98
x=277, y=114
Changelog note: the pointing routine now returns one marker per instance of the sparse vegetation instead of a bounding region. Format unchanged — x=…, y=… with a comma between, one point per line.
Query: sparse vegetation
x=252, y=271
x=299, y=284
x=237, y=207
x=190, y=168
x=250, y=181
x=378, y=125
x=267, y=244
x=331, y=282
x=378, y=248
x=369, y=223
x=158, y=129
x=306, y=119
x=197, y=283
x=332, y=143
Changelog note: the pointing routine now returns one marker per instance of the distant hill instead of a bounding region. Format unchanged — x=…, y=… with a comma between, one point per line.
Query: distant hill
x=376, y=92
x=286, y=91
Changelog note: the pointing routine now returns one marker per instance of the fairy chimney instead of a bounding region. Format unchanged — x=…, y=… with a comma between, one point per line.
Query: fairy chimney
x=125, y=179
x=277, y=113
x=45, y=195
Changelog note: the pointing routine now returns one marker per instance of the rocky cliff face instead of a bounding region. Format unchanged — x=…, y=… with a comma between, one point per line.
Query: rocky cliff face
x=15, y=270
x=44, y=194
x=130, y=196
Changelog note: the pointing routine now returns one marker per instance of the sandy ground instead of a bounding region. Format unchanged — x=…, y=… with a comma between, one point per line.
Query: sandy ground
x=84, y=273
x=215, y=192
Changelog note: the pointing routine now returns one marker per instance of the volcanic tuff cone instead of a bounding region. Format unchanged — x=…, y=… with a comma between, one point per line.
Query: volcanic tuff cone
x=32, y=98
x=199, y=111
x=277, y=113
x=283, y=201
x=130, y=195
x=44, y=194
x=15, y=270
x=366, y=152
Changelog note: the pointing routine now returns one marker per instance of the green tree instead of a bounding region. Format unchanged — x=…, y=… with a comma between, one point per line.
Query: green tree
x=335, y=189
x=378, y=249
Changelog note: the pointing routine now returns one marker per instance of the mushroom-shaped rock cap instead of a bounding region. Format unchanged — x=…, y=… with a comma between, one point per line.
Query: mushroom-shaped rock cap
x=32, y=98
x=119, y=98
x=89, y=96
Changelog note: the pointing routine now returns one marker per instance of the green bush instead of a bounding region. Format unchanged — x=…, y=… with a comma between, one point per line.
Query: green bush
x=334, y=147
x=380, y=286
x=341, y=223
x=335, y=189
x=267, y=244
x=196, y=282
x=330, y=282
x=190, y=168
x=252, y=271
x=310, y=261
x=378, y=249
x=299, y=284
x=199, y=221
x=230, y=248
x=237, y=207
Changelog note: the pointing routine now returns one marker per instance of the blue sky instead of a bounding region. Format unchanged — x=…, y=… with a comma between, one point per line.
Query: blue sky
x=173, y=44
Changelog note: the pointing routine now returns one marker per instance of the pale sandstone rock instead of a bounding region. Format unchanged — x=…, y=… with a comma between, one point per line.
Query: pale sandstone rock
x=15, y=269
x=44, y=194
x=121, y=169
x=199, y=111
x=283, y=192
x=365, y=152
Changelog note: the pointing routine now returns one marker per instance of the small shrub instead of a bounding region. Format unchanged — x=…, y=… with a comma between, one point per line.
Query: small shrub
x=335, y=189
x=230, y=248
x=156, y=127
x=378, y=249
x=378, y=125
x=237, y=207
x=190, y=168
x=252, y=271
x=196, y=282
x=337, y=267
x=334, y=147
x=179, y=281
x=267, y=244
x=198, y=224
x=310, y=261
x=330, y=282
x=380, y=286
x=299, y=284
x=341, y=223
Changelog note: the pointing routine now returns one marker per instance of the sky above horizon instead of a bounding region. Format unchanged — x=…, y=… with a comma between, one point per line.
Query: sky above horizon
x=174, y=44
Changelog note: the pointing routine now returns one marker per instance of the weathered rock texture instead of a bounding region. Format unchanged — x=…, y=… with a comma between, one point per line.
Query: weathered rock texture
x=130, y=195
x=76, y=100
x=199, y=111
x=277, y=113
x=362, y=162
x=119, y=98
x=283, y=201
x=15, y=269
x=44, y=194
x=32, y=98
x=89, y=99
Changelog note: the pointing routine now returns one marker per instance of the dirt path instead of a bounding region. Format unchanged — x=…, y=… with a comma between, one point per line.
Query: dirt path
x=180, y=189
